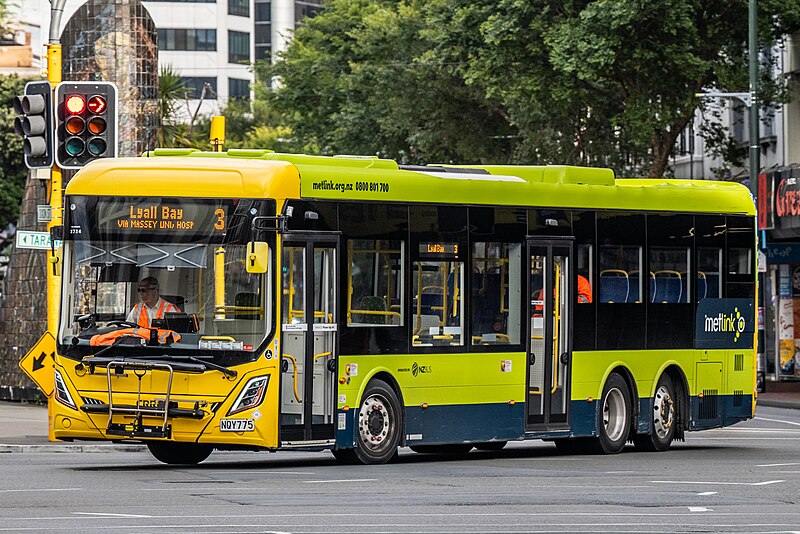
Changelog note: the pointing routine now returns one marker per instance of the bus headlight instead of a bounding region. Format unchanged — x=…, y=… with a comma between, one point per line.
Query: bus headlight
x=62, y=393
x=251, y=396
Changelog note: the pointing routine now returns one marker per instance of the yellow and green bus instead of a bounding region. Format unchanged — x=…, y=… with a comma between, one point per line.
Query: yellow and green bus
x=357, y=305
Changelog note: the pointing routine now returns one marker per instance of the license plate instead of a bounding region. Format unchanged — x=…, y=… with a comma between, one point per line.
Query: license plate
x=236, y=425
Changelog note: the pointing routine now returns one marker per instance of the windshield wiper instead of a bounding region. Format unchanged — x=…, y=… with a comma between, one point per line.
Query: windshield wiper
x=211, y=365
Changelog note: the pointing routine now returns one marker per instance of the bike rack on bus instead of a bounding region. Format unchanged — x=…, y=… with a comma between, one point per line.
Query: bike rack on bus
x=137, y=428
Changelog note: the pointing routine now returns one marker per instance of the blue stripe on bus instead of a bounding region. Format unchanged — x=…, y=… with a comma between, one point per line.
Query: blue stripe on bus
x=450, y=424
x=504, y=422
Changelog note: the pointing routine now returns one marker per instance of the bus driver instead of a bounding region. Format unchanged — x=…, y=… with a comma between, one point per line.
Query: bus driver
x=152, y=305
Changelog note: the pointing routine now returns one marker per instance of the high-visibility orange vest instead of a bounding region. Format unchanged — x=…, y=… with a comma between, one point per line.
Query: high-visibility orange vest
x=163, y=308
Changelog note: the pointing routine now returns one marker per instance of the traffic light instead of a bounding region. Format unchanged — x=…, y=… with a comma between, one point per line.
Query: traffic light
x=35, y=124
x=86, y=123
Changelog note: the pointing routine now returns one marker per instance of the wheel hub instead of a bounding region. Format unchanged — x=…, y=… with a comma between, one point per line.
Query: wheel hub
x=663, y=412
x=374, y=422
x=614, y=414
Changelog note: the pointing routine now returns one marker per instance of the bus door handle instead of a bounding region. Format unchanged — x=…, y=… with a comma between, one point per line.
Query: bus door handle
x=565, y=358
x=532, y=358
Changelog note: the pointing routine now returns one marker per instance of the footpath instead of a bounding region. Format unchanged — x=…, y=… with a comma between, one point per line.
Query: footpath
x=23, y=426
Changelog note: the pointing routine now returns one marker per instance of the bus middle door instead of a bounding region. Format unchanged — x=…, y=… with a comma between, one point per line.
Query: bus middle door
x=308, y=339
x=550, y=344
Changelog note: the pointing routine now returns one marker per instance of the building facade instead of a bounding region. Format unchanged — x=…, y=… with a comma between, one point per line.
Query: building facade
x=211, y=44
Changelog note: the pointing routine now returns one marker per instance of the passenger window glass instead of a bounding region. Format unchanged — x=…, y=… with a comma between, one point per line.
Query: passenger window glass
x=375, y=292
x=669, y=275
x=583, y=254
x=438, y=317
x=496, y=291
x=709, y=273
x=620, y=269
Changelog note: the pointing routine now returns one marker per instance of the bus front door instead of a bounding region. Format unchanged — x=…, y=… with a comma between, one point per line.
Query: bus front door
x=308, y=340
x=549, y=345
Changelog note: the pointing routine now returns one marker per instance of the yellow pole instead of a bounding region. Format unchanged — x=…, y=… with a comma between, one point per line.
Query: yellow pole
x=217, y=137
x=56, y=206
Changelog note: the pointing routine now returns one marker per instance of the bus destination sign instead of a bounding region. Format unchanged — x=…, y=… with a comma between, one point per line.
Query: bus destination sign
x=165, y=216
x=438, y=250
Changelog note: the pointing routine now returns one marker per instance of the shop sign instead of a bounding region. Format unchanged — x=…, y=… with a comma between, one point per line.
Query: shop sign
x=766, y=201
x=784, y=281
x=782, y=252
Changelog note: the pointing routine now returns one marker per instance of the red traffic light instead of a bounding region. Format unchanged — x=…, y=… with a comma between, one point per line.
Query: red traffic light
x=97, y=104
x=75, y=104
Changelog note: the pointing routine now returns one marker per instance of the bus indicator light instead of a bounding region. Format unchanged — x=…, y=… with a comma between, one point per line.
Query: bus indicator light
x=86, y=123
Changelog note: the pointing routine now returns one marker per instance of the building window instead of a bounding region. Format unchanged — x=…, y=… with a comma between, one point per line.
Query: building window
x=194, y=86
x=306, y=9
x=191, y=39
x=263, y=11
x=240, y=8
x=238, y=47
x=238, y=88
x=185, y=1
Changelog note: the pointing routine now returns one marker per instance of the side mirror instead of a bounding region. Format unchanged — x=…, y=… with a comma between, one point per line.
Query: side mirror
x=257, y=259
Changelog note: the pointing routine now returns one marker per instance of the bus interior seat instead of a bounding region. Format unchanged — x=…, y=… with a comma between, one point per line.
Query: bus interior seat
x=614, y=285
x=177, y=300
x=702, y=285
x=712, y=283
x=669, y=287
x=371, y=303
x=249, y=300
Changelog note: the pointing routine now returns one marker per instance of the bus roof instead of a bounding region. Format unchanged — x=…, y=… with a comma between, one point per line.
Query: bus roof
x=263, y=173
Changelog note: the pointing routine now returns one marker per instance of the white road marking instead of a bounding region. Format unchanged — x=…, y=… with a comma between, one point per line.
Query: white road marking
x=35, y=490
x=778, y=465
x=705, y=493
x=766, y=483
x=101, y=514
x=777, y=421
x=699, y=509
x=340, y=480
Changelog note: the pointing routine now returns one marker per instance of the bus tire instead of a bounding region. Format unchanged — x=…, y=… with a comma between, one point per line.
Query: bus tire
x=379, y=424
x=173, y=453
x=614, y=416
x=663, y=418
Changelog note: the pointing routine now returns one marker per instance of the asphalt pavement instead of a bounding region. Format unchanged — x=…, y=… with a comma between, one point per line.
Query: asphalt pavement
x=23, y=426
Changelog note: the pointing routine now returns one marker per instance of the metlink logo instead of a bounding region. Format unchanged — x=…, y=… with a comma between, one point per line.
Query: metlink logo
x=731, y=322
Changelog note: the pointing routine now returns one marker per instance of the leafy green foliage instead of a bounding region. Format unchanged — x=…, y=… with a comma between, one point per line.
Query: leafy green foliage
x=597, y=82
x=13, y=172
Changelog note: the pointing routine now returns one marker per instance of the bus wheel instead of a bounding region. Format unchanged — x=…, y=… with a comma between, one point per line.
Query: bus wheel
x=379, y=424
x=170, y=452
x=663, y=419
x=614, y=417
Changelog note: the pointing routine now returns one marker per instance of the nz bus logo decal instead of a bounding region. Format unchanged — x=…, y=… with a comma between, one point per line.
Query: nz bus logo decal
x=420, y=369
x=724, y=323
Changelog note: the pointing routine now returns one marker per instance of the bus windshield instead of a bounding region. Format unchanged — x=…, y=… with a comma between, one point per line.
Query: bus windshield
x=150, y=273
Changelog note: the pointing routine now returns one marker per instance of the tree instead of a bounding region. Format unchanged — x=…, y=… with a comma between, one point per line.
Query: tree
x=172, y=93
x=12, y=167
x=599, y=82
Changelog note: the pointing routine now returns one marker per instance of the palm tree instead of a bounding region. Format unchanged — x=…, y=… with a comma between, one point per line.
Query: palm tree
x=172, y=93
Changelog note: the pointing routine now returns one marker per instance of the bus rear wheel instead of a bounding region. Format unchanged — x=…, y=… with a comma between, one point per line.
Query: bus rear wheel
x=170, y=452
x=379, y=425
x=663, y=417
x=614, y=417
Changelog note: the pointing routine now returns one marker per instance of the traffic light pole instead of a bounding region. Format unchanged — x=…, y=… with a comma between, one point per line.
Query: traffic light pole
x=56, y=206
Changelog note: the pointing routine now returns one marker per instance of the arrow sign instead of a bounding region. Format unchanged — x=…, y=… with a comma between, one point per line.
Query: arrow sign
x=38, y=366
x=37, y=362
